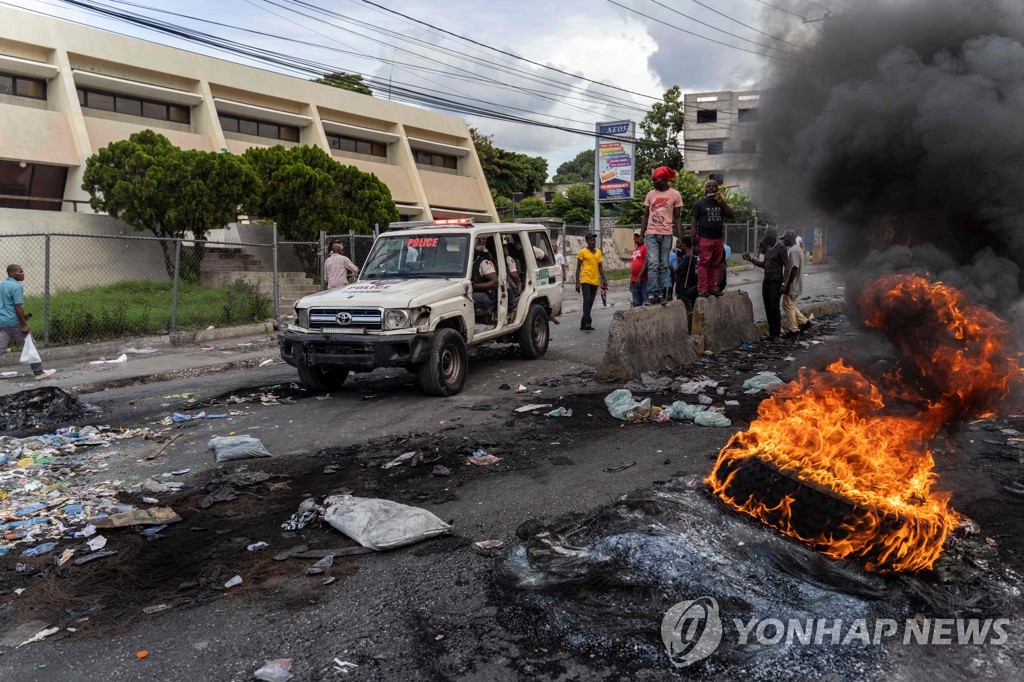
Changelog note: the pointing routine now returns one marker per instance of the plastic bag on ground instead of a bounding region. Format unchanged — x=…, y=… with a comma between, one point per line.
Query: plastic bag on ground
x=231, y=448
x=762, y=380
x=29, y=354
x=275, y=671
x=682, y=411
x=710, y=418
x=381, y=524
x=622, y=405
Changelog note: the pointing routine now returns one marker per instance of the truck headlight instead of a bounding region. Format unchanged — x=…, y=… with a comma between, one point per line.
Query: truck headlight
x=397, y=318
x=302, y=317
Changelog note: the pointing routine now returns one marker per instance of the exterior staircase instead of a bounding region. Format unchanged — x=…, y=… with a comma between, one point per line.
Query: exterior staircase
x=224, y=266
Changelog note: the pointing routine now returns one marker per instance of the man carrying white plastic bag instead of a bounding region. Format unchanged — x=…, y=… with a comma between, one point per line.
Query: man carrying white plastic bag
x=14, y=323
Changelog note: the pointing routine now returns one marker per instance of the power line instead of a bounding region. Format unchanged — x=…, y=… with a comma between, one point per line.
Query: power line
x=715, y=28
x=752, y=28
x=688, y=32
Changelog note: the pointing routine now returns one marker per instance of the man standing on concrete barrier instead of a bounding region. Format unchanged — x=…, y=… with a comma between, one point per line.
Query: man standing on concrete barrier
x=663, y=207
x=793, y=319
x=707, y=225
x=337, y=266
x=638, y=271
x=774, y=264
x=13, y=320
x=589, y=276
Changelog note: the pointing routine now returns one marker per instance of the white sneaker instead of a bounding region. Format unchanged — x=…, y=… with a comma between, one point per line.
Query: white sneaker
x=45, y=374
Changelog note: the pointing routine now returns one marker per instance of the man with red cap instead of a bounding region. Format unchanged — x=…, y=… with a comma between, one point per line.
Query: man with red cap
x=663, y=206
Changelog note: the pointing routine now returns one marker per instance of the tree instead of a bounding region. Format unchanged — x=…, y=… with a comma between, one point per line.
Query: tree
x=579, y=169
x=576, y=206
x=152, y=185
x=661, y=128
x=305, y=191
x=509, y=172
x=345, y=81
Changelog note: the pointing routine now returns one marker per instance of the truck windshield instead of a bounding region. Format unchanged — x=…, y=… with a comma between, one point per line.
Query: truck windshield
x=421, y=255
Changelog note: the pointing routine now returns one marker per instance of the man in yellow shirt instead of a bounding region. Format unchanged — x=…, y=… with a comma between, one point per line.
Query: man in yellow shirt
x=589, y=276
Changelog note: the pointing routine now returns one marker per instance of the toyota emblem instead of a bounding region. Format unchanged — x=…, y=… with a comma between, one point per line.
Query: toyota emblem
x=344, y=318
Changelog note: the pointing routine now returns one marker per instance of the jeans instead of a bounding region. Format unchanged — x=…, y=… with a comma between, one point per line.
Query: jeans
x=659, y=246
x=794, y=316
x=8, y=333
x=639, y=292
x=589, y=292
x=712, y=251
x=771, y=292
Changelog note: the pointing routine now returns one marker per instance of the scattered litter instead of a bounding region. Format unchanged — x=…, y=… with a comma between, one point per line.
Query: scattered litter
x=237, y=580
x=308, y=511
x=39, y=407
x=732, y=403
x=381, y=524
x=223, y=493
x=95, y=555
x=482, y=460
x=141, y=351
x=153, y=516
x=231, y=448
x=440, y=470
x=652, y=382
x=710, y=418
x=698, y=385
x=97, y=543
x=150, y=610
x=181, y=418
x=257, y=546
x=762, y=380
x=397, y=461
x=662, y=416
x=615, y=470
x=520, y=388
x=344, y=666
x=560, y=412
x=40, y=550
x=39, y=636
x=8, y=374
x=705, y=399
x=621, y=405
x=275, y=671
x=65, y=556
x=789, y=358
x=122, y=358
x=321, y=566
x=532, y=407
x=141, y=654
x=490, y=544
x=266, y=362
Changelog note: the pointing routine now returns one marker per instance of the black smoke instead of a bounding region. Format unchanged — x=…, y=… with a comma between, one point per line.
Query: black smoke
x=902, y=124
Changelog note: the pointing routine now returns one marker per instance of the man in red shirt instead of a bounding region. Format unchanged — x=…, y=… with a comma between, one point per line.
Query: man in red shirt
x=638, y=271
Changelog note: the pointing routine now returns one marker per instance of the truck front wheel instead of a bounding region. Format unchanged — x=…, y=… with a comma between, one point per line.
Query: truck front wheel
x=444, y=372
x=321, y=378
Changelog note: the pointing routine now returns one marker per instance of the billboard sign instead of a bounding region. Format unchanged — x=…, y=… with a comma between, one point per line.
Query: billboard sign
x=615, y=160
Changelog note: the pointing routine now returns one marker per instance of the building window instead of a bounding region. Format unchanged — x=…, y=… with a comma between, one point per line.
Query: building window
x=440, y=160
x=134, y=106
x=748, y=146
x=20, y=86
x=41, y=186
x=718, y=177
x=707, y=116
x=716, y=147
x=356, y=146
x=747, y=115
x=248, y=126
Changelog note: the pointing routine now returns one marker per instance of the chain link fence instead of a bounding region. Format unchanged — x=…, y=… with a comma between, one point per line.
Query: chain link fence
x=81, y=288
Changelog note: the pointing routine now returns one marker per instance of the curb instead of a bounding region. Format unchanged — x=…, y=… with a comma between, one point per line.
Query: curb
x=177, y=339
x=170, y=375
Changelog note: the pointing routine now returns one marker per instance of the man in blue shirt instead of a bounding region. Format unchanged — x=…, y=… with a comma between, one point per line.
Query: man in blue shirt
x=13, y=322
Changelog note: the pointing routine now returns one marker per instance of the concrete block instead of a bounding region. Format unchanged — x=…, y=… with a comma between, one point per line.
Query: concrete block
x=724, y=321
x=646, y=339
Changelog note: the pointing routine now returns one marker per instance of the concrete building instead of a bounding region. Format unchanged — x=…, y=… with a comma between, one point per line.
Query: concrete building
x=719, y=135
x=67, y=91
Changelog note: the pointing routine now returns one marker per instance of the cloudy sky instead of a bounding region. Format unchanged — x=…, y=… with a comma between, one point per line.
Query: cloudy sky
x=639, y=46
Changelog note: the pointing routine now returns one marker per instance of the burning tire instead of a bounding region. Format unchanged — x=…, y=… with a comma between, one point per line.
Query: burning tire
x=819, y=517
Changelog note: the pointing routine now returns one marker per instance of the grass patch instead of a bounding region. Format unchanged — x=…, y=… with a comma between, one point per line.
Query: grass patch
x=614, y=274
x=143, y=308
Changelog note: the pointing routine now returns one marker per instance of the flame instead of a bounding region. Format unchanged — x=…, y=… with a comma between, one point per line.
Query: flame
x=836, y=439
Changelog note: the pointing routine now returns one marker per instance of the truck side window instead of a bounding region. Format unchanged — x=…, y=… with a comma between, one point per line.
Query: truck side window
x=542, y=249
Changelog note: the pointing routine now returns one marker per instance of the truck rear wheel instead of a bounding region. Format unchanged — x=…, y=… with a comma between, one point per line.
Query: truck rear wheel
x=321, y=378
x=535, y=333
x=444, y=372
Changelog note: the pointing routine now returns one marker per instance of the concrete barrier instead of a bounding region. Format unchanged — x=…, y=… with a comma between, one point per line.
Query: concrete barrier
x=646, y=339
x=724, y=322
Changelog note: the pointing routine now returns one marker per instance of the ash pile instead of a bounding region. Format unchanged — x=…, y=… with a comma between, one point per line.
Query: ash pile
x=601, y=584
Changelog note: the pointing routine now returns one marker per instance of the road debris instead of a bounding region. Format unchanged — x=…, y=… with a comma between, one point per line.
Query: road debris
x=39, y=408
x=121, y=358
x=762, y=381
x=344, y=666
x=560, y=412
x=482, y=459
x=232, y=448
x=615, y=470
x=381, y=524
x=277, y=670
x=39, y=636
x=321, y=565
x=397, y=461
x=233, y=582
x=154, y=516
